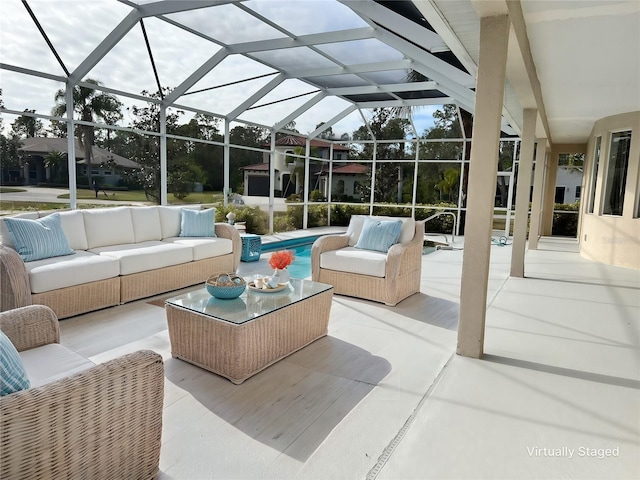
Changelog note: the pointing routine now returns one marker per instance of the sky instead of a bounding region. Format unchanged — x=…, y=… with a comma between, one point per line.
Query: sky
x=74, y=32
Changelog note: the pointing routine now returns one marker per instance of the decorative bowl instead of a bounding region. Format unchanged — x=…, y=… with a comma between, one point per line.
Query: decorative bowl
x=225, y=285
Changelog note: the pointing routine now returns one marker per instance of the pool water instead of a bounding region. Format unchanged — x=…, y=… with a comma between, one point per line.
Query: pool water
x=301, y=266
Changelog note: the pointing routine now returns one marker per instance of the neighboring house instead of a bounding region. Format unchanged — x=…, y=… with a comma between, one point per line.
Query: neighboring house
x=36, y=149
x=568, y=184
x=345, y=180
x=256, y=177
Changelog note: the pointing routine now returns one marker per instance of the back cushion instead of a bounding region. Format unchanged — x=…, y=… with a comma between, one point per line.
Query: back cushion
x=5, y=237
x=407, y=231
x=171, y=218
x=146, y=224
x=73, y=228
x=108, y=226
x=169, y=221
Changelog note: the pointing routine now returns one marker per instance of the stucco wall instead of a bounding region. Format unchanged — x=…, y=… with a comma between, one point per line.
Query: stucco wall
x=606, y=238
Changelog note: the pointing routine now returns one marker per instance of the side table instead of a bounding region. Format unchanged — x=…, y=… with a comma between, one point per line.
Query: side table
x=251, y=247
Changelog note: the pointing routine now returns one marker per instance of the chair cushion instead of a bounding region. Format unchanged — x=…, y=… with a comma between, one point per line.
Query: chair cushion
x=355, y=260
x=61, y=272
x=357, y=222
x=146, y=224
x=145, y=256
x=204, y=247
x=37, y=239
x=108, y=226
x=52, y=362
x=13, y=376
x=198, y=223
x=379, y=235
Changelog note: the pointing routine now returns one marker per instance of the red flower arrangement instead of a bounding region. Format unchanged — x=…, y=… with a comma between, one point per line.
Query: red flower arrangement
x=282, y=259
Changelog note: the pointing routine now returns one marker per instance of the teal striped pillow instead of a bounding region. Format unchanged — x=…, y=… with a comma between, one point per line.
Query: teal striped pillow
x=379, y=235
x=198, y=223
x=13, y=376
x=38, y=239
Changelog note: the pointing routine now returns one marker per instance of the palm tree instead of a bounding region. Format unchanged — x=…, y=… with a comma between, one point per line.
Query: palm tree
x=91, y=105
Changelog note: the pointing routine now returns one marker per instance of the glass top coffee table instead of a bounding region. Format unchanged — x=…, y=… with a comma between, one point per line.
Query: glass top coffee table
x=239, y=337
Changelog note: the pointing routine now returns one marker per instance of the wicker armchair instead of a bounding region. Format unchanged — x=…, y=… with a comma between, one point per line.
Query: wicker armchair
x=403, y=268
x=104, y=422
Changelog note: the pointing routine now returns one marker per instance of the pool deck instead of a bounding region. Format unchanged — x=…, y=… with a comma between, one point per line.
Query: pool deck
x=385, y=397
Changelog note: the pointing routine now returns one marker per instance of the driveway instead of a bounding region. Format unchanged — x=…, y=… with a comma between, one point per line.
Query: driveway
x=50, y=195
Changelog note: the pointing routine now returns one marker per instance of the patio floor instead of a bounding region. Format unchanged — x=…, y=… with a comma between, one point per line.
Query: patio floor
x=384, y=395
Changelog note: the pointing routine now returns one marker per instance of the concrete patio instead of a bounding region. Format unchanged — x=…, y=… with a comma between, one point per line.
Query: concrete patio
x=385, y=396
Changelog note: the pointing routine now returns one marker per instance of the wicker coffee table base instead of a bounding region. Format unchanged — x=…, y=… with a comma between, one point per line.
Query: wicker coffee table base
x=239, y=351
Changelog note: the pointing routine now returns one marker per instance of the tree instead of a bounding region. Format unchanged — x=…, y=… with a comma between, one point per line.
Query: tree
x=91, y=106
x=26, y=126
x=385, y=126
x=56, y=163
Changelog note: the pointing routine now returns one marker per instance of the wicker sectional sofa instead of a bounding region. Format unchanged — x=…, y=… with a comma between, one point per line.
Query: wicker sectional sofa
x=121, y=254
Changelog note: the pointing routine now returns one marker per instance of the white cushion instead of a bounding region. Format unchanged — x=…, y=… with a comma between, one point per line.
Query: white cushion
x=357, y=221
x=5, y=237
x=73, y=227
x=169, y=221
x=60, y=272
x=146, y=223
x=204, y=247
x=108, y=226
x=52, y=362
x=141, y=257
x=355, y=260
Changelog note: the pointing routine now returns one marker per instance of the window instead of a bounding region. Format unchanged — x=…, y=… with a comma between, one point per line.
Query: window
x=107, y=172
x=594, y=175
x=578, y=192
x=616, y=173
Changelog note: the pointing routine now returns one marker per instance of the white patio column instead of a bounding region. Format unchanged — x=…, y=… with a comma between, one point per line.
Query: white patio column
x=548, y=202
x=71, y=148
x=483, y=169
x=536, y=201
x=225, y=162
x=272, y=179
x=522, y=193
x=163, y=155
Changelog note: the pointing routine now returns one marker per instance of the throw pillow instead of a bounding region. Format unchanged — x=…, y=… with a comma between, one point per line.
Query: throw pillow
x=198, y=223
x=38, y=239
x=379, y=235
x=13, y=376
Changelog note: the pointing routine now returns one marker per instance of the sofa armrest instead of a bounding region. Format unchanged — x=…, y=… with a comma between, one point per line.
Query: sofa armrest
x=30, y=327
x=104, y=422
x=325, y=244
x=406, y=255
x=224, y=230
x=15, y=289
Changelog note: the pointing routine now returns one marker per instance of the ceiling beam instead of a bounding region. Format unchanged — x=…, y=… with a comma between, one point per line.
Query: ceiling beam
x=299, y=111
x=394, y=87
x=255, y=97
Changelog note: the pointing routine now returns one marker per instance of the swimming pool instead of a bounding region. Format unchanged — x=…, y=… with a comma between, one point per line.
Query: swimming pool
x=301, y=266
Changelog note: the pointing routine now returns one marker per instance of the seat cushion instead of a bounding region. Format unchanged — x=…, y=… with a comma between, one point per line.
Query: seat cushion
x=145, y=256
x=355, y=260
x=13, y=375
x=38, y=239
x=52, y=362
x=204, y=247
x=60, y=272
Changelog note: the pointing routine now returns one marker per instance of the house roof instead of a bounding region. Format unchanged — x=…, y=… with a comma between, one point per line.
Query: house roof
x=46, y=145
x=349, y=169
